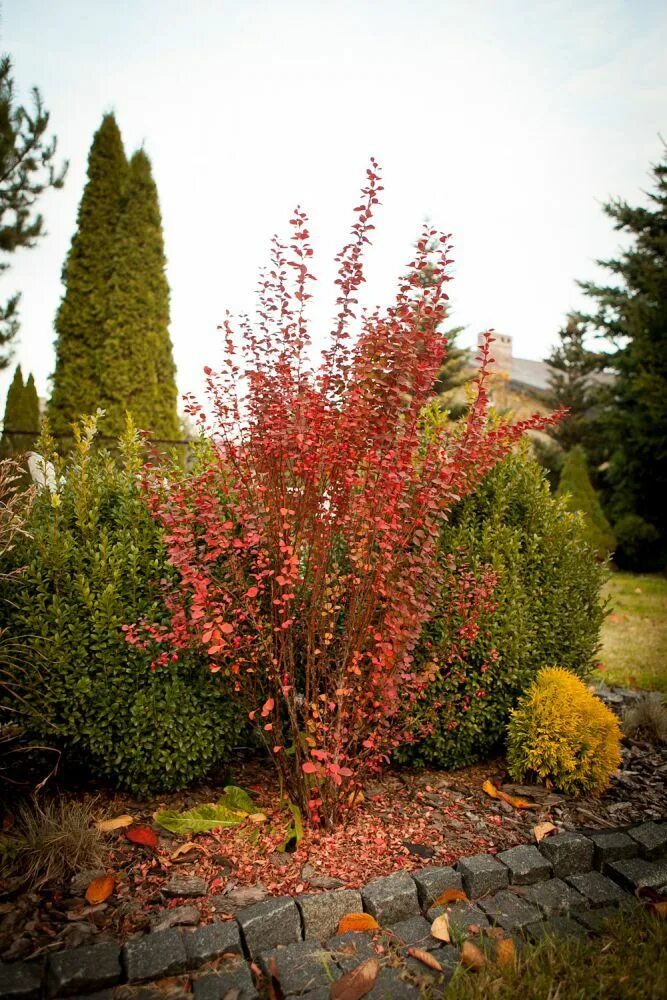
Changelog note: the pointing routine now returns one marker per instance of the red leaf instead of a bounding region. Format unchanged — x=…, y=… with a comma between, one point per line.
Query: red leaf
x=143, y=835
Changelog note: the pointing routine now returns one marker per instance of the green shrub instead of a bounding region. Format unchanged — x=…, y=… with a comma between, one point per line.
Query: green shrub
x=575, y=486
x=547, y=609
x=561, y=732
x=637, y=545
x=94, y=561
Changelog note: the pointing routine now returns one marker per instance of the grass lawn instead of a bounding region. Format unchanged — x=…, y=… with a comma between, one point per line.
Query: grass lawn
x=627, y=962
x=634, y=636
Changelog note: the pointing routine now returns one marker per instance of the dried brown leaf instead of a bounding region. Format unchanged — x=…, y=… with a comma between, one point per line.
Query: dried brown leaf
x=505, y=953
x=426, y=958
x=471, y=956
x=117, y=823
x=543, y=830
x=440, y=928
x=357, y=983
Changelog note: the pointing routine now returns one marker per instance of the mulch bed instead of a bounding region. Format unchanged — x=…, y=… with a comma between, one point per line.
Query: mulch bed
x=408, y=819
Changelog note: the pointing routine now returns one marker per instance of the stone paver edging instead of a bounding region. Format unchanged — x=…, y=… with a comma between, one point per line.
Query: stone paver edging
x=564, y=886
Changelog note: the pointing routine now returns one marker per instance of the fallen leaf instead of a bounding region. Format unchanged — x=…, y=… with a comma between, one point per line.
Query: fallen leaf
x=100, y=889
x=185, y=849
x=117, y=823
x=505, y=953
x=257, y=818
x=543, y=830
x=426, y=958
x=440, y=928
x=143, y=835
x=357, y=922
x=233, y=994
x=490, y=789
x=357, y=983
x=497, y=933
x=451, y=896
x=471, y=956
x=659, y=910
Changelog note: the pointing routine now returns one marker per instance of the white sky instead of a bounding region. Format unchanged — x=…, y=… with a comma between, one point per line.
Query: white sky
x=506, y=123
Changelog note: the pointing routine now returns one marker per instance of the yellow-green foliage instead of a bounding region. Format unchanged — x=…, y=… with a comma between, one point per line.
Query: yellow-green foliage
x=560, y=731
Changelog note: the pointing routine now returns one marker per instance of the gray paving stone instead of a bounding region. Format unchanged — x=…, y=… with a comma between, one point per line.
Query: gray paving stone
x=349, y=950
x=301, y=967
x=557, y=927
x=210, y=942
x=431, y=882
x=154, y=956
x=20, y=979
x=509, y=911
x=415, y=932
x=321, y=913
x=482, y=875
x=652, y=840
x=637, y=872
x=188, y=886
x=594, y=920
x=598, y=889
x=267, y=924
x=390, y=986
x=554, y=896
x=612, y=845
x=391, y=899
x=233, y=975
x=83, y=970
x=569, y=853
x=525, y=864
x=461, y=917
x=176, y=917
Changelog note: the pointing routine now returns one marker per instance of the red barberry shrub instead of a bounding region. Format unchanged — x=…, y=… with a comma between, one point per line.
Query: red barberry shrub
x=305, y=548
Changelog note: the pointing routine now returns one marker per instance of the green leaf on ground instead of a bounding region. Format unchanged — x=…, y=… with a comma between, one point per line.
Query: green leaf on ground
x=234, y=806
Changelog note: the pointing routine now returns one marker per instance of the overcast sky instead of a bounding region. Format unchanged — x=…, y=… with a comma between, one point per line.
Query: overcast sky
x=505, y=123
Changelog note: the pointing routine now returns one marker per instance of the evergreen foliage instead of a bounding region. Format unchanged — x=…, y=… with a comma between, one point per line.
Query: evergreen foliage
x=571, y=365
x=82, y=317
x=21, y=414
x=138, y=371
x=547, y=609
x=94, y=559
x=563, y=733
x=631, y=313
x=577, y=491
x=27, y=169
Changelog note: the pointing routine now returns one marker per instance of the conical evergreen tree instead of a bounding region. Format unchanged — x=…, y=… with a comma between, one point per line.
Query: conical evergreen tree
x=138, y=371
x=81, y=319
x=21, y=414
x=631, y=313
x=571, y=365
x=576, y=487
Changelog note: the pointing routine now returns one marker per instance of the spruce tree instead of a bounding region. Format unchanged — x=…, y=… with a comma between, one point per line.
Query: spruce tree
x=631, y=313
x=21, y=414
x=27, y=169
x=571, y=366
x=138, y=371
x=82, y=316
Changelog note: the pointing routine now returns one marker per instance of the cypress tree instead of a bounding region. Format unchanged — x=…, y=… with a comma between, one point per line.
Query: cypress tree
x=82, y=316
x=571, y=366
x=576, y=487
x=21, y=414
x=138, y=371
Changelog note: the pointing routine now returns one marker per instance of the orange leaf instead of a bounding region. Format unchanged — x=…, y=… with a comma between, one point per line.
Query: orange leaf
x=117, y=823
x=543, y=830
x=142, y=835
x=518, y=803
x=100, y=889
x=440, y=928
x=357, y=922
x=659, y=910
x=451, y=896
x=471, y=956
x=505, y=953
x=357, y=983
x=490, y=789
x=426, y=958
